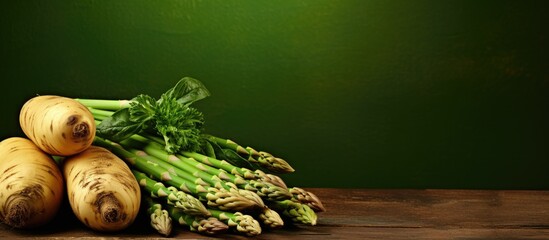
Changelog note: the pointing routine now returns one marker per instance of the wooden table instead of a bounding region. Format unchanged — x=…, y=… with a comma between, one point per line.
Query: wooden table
x=371, y=214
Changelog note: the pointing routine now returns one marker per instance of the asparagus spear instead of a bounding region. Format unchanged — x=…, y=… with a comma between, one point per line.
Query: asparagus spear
x=160, y=219
x=270, y=218
x=214, y=197
x=187, y=203
x=244, y=224
x=272, y=163
x=171, y=169
x=249, y=156
x=205, y=225
x=270, y=178
x=297, y=212
x=306, y=197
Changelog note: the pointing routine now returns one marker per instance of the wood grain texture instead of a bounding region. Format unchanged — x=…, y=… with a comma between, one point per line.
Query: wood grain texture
x=372, y=214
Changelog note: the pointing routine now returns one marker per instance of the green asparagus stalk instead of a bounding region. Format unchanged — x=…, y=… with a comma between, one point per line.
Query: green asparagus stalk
x=204, y=225
x=306, y=197
x=170, y=168
x=104, y=104
x=160, y=219
x=100, y=114
x=179, y=199
x=214, y=197
x=244, y=224
x=296, y=212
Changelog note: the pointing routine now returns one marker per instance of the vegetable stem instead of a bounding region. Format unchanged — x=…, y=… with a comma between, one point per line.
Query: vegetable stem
x=105, y=104
x=100, y=114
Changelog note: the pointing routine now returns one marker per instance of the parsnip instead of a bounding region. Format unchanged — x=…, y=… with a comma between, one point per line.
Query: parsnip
x=102, y=191
x=58, y=125
x=31, y=184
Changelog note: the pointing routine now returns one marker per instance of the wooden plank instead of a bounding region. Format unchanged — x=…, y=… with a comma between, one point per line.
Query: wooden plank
x=371, y=214
x=436, y=214
x=436, y=208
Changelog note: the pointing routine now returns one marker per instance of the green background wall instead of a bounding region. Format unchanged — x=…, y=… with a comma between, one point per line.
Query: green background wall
x=372, y=94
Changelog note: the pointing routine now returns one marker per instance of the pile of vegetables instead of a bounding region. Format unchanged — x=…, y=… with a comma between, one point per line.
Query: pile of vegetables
x=120, y=159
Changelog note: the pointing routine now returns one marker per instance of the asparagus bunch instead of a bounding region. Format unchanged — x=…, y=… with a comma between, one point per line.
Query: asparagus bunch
x=246, y=173
x=199, y=178
x=214, y=175
x=202, y=178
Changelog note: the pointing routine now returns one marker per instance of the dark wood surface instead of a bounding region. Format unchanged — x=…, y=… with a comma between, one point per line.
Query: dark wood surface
x=370, y=214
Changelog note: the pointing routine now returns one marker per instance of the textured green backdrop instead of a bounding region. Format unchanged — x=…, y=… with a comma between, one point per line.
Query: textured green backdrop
x=374, y=94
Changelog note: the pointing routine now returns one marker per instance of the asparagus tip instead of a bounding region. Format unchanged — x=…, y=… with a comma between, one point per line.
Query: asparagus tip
x=161, y=221
x=271, y=218
x=212, y=225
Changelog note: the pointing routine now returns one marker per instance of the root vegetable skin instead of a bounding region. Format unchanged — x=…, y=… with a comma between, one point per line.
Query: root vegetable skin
x=31, y=184
x=58, y=125
x=102, y=191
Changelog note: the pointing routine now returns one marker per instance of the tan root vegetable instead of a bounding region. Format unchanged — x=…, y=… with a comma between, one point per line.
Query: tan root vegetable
x=57, y=125
x=102, y=191
x=31, y=184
